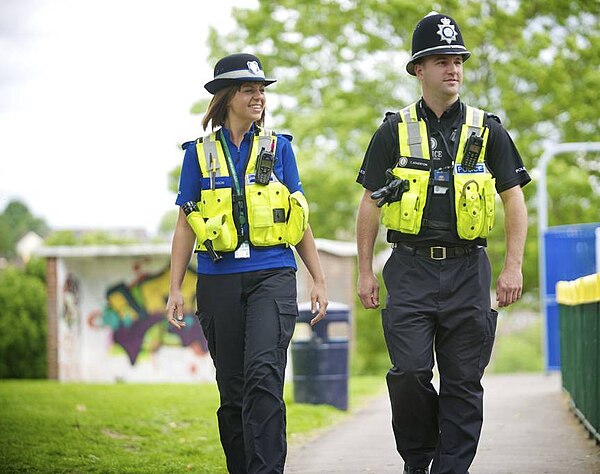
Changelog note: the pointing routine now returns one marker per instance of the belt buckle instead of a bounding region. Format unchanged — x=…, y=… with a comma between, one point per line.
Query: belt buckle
x=437, y=253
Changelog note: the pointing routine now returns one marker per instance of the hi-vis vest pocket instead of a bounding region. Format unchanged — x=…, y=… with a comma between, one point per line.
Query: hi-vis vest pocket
x=298, y=218
x=475, y=204
x=268, y=208
x=216, y=208
x=406, y=216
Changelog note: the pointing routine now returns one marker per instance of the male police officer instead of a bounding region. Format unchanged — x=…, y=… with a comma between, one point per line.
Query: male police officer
x=431, y=170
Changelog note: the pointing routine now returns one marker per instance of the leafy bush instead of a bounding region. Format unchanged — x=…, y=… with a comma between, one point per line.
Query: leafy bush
x=22, y=324
x=92, y=237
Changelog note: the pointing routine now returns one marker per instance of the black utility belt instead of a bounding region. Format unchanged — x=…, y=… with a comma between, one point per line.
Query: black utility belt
x=437, y=252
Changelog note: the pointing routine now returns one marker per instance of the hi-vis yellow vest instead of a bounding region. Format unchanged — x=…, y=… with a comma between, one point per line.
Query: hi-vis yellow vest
x=275, y=217
x=474, y=192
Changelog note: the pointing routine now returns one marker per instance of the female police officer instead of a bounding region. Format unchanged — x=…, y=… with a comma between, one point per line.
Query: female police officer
x=242, y=203
x=443, y=160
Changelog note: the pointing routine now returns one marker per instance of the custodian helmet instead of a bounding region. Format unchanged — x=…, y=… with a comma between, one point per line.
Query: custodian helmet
x=436, y=34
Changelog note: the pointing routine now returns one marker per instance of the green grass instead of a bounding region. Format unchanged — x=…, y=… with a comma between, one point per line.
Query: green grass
x=519, y=351
x=46, y=426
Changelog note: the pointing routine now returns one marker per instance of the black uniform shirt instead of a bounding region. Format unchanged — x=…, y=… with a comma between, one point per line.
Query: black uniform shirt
x=502, y=159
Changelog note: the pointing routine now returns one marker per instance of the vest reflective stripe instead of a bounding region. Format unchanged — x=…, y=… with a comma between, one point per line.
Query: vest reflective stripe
x=216, y=201
x=407, y=215
x=272, y=220
x=474, y=191
x=411, y=133
x=212, y=156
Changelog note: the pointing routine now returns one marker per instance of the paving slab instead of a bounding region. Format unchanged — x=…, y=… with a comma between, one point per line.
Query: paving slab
x=528, y=428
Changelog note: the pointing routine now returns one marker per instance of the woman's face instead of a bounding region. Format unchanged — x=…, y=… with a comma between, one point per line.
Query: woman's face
x=248, y=103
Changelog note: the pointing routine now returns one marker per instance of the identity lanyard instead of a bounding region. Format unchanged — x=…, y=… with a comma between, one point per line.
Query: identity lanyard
x=237, y=192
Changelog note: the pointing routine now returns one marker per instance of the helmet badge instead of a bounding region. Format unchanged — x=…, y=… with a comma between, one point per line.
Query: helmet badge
x=253, y=67
x=446, y=30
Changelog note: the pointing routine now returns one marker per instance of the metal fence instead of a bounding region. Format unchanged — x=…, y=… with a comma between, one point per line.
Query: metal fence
x=579, y=312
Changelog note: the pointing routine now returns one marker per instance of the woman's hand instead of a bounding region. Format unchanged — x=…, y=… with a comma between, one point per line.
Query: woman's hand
x=174, y=309
x=318, y=302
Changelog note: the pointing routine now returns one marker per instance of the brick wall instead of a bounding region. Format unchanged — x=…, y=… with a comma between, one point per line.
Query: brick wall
x=51, y=308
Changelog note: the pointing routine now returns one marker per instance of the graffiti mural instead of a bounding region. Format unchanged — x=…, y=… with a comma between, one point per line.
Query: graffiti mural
x=71, y=296
x=69, y=313
x=135, y=314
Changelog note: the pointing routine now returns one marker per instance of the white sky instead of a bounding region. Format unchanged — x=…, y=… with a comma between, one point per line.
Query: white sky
x=94, y=99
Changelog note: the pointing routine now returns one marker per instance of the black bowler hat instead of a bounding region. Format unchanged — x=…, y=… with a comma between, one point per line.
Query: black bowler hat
x=234, y=69
x=436, y=34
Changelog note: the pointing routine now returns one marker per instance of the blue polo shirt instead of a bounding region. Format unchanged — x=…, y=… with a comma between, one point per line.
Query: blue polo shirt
x=286, y=170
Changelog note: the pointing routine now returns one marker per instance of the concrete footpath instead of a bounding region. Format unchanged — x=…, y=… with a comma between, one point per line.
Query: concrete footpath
x=528, y=428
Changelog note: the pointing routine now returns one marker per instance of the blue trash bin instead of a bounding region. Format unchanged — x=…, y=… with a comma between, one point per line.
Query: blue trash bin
x=320, y=357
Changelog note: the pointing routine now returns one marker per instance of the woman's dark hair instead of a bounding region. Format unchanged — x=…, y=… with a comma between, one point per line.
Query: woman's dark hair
x=216, y=113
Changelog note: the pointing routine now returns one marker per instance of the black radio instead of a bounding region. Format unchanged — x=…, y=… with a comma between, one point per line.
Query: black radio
x=264, y=167
x=472, y=152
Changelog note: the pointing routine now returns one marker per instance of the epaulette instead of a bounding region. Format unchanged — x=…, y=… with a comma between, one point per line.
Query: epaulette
x=393, y=124
x=192, y=142
x=495, y=117
x=287, y=135
x=388, y=115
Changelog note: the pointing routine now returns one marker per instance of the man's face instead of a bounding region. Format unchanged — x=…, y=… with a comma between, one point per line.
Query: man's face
x=441, y=74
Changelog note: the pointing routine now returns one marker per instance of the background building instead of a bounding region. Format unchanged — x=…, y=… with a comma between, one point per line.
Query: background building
x=106, y=312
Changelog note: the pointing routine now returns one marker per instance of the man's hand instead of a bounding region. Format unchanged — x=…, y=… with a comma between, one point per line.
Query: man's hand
x=367, y=226
x=508, y=287
x=368, y=290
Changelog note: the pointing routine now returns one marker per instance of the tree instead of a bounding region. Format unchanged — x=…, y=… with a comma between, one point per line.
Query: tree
x=22, y=323
x=340, y=66
x=168, y=222
x=15, y=222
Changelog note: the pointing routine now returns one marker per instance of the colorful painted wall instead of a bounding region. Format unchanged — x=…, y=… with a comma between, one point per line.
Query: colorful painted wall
x=106, y=313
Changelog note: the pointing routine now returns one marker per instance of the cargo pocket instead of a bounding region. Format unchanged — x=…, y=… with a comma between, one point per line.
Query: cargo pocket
x=488, y=339
x=385, y=325
x=208, y=328
x=288, y=312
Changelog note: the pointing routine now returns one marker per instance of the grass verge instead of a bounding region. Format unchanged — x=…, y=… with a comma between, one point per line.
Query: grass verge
x=47, y=426
x=519, y=350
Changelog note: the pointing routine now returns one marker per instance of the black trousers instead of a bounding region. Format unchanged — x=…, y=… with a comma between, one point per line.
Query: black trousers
x=248, y=320
x=442, y=305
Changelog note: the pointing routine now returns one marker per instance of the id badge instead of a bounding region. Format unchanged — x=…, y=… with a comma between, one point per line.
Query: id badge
x=243, y=251
x=441, y=179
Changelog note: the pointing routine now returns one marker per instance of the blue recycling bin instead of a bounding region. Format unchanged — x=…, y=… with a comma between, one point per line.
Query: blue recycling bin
x=570, y=254
x=320, y=357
